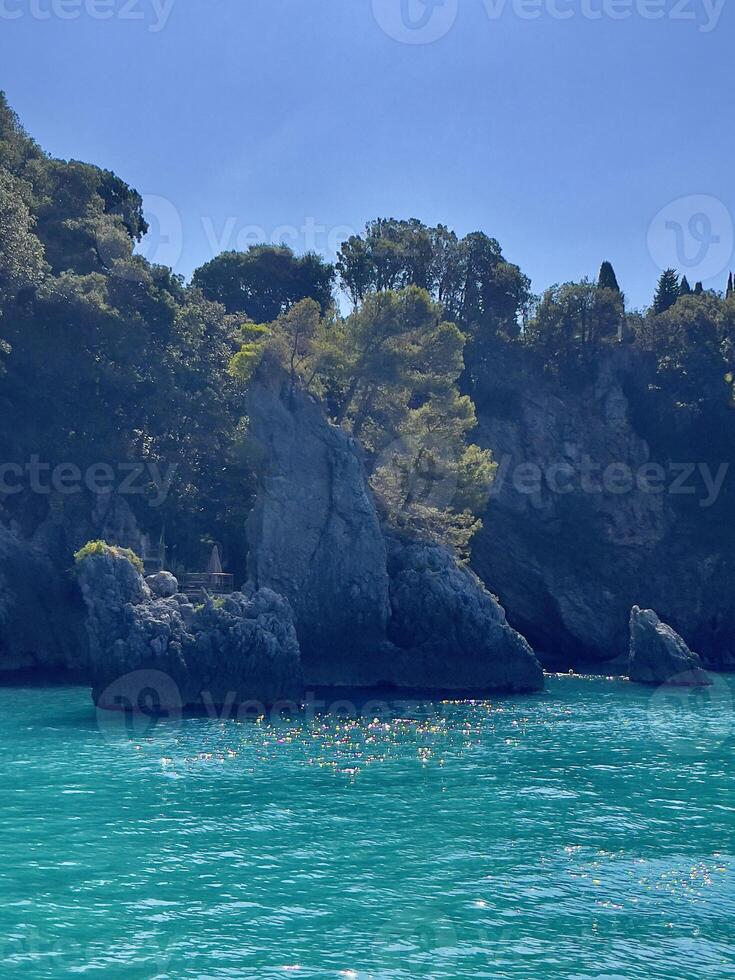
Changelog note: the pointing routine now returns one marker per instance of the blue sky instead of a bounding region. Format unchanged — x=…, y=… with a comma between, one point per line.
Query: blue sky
x=560, y=127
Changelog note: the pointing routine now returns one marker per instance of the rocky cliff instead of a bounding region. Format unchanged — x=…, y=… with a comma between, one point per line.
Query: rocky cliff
x=658, y=655
x=42, y=615
x=369, y=609
x=314, y=533
x=574, y=536
x=579, y=528
x=147, y=639
x=447, y=630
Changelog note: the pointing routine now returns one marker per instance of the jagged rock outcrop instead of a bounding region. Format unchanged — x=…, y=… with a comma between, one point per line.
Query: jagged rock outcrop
x=658, y=655
x=567, y=554
x=230, y=650
x=368, y=612
x=314, y=533
x=449, y=631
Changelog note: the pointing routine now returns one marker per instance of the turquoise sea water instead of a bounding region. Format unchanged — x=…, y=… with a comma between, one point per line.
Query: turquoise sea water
x=586, y=832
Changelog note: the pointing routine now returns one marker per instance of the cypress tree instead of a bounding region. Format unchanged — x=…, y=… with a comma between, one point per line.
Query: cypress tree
x=667, y=291
x=698, y=289
x=684, y=288
x=729, y=292
x=607, y=278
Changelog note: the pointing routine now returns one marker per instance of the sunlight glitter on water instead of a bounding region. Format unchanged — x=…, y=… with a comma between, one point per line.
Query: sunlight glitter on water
x=527, y=837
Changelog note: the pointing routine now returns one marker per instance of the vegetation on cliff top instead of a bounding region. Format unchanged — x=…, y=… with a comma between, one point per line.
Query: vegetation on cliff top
x=94, y=548
x=105, y=358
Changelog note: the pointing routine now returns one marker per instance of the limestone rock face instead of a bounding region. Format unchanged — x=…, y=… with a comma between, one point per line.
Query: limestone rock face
x=41, y=611
x=369, y=610
x=314, y=534
x=569, y=555
x=242, y=647
x=41, y=615
x=658, y=655
x=451, y=633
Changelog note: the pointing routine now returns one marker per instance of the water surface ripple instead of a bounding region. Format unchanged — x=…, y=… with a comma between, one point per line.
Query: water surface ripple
x=587, y=832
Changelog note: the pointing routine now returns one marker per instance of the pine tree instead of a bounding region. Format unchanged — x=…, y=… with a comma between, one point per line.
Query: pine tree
x=730, y=287
x=607, y=278
x=684, y=288
x=667, y=291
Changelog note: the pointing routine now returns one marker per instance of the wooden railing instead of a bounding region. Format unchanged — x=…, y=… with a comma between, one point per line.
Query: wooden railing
x=215, y=583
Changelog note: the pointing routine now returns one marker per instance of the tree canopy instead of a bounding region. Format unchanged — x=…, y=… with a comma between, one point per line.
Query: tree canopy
x=607, y=278
x=667, y=291
x=469, y=277
x=390, y=373
x=572, y=322
x=265, y=281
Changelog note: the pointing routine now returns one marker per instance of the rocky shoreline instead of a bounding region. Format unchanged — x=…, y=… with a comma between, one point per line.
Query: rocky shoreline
x=338, y=600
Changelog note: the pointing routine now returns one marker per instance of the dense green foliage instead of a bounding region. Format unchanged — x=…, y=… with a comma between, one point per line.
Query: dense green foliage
x=389, y=372
x=107, y=359
x=265, y=281
x=572, y=322
x=469, y=278
x=110, y=360
x=692, y=344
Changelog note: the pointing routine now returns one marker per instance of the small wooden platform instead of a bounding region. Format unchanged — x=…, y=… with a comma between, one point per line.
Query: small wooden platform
x=215, y=583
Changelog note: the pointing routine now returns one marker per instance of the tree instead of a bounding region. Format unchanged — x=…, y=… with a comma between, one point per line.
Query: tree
x=265, y=281
x=113, y=361
x=394, y=347
x=688, y=405
x=698, y=289
x=667, y=291
x=684, y=288
x=22, y=264
x=294, y=336
x=390, y=254
x=471, y=280
x=16, y=146
x=730, y=287
x=398, y=393
x=389, y=374
x=607, y=278
x=492, y=293
x=572, y=322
